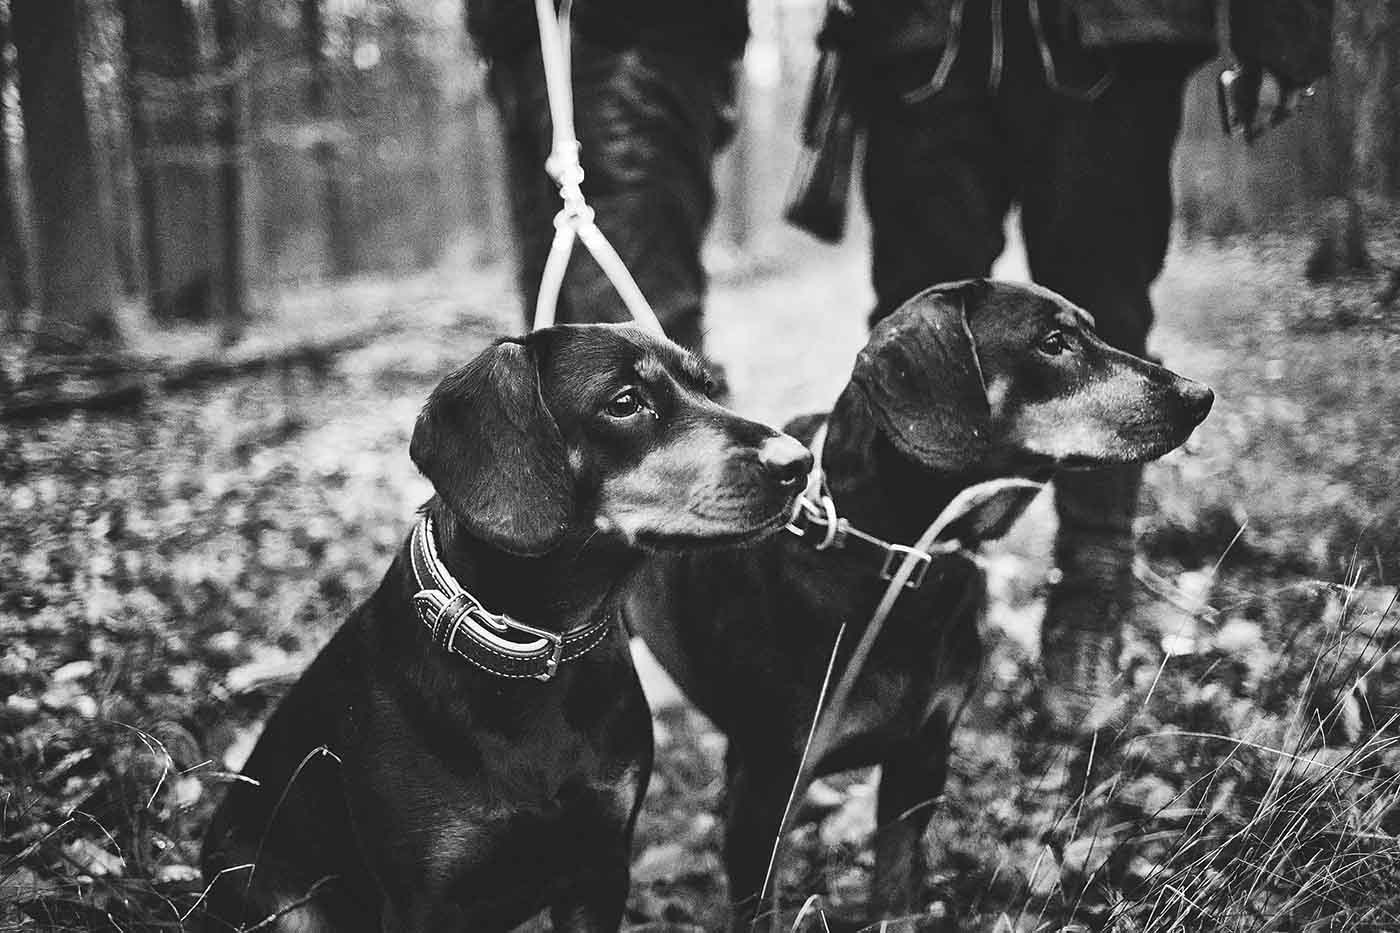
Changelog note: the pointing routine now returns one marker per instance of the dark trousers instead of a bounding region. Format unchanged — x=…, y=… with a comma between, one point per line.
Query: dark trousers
x=1084, y=148
x=650, y=123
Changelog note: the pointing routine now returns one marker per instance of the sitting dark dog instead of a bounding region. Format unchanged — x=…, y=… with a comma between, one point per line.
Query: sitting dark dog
x=486, y=739
x=964, y=383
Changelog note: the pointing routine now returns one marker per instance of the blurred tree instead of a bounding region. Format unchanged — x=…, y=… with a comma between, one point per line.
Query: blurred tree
x=104, y=81
x=1377, y=144
x=487, y=203
x=172, y=179
x=74, y=249
x=233, y=290
x=14, y=265
x=318, y=102
x=417, y=123
x=1360, y=123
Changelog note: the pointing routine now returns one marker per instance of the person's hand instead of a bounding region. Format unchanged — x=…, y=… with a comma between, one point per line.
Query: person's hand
x=1254, y=99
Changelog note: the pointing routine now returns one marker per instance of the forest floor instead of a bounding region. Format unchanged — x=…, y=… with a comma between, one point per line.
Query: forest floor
x=166, y=572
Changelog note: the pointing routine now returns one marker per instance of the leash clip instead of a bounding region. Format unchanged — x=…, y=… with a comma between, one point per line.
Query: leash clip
x=803, y=511
x=895, y=557
x=821, y=513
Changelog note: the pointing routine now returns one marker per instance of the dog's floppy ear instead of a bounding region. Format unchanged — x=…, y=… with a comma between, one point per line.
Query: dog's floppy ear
x=494, y=453
x=922, y=377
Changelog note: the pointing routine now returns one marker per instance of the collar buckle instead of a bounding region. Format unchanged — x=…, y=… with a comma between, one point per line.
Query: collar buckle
x=462, y=626
x=896, y=554
x=556, y=643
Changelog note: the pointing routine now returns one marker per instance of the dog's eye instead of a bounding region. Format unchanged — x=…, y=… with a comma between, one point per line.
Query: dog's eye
x=1054, y=343
x=625, y=404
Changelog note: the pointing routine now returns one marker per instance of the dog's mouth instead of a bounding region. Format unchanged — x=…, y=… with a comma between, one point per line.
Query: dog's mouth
x=678, y=540
x=1145, y=446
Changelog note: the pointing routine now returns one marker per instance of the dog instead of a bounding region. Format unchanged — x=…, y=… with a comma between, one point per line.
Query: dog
x=966, y=382
x=472, y=745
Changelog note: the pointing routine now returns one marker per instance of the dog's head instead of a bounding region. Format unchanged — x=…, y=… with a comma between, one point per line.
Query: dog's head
x=1005, y=378
x=600, y=426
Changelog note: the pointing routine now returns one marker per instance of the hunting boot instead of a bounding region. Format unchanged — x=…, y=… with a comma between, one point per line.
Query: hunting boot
x=1067, y=747
x=1090, y=602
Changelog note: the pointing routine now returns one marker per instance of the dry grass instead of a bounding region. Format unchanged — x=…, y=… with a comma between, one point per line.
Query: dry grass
x=164, y=575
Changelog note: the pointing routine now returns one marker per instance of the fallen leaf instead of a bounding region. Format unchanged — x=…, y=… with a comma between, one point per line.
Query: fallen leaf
x=671, y=861
x=90, y=858
x=176, y=874
x=73, y=670
x=1086, y=855
x=1148, y=794
x=852, y=823
x=269, y=666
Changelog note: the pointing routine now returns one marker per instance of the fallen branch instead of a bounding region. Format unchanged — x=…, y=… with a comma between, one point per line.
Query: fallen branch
x=125, y=389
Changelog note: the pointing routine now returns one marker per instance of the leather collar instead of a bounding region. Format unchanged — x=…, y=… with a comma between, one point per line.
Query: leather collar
x=494, y=642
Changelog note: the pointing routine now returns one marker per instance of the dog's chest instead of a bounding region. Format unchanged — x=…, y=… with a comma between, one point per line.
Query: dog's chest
x=885, y=705
x=922, y=666
x=540, y=771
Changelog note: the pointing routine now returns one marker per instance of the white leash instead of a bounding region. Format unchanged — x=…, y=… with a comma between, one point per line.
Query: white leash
x=575, y=220
x=916, y=559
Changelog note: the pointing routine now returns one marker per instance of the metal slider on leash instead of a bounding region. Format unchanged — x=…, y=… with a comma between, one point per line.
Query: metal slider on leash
x=815, y=507
x=575, y=220
x=822, y=513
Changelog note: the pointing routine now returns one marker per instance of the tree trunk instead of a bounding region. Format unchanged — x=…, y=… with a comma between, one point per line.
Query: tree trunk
x=318, y=103
x=1384, y=99
x=233, y=290
x=1366, y=86
x=14, y=264
x=1375, y=129
x=172, y=184
x=74, y=249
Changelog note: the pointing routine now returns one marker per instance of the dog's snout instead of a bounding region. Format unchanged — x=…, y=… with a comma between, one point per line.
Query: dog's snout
x=1198, y=399
x=786, y=460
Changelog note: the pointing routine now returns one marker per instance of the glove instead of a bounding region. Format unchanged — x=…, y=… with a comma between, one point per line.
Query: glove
x=1254, y=99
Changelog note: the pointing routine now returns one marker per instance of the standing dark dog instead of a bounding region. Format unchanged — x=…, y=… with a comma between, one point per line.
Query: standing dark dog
x=965, y=382
x=480, y=767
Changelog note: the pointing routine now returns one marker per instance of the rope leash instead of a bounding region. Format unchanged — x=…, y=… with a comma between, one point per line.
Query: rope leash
x=826, y=718
x=575, y=220
x=916, y=559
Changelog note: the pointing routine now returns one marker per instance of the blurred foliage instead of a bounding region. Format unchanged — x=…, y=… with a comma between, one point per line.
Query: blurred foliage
x=1299, y=447
x=165, y=575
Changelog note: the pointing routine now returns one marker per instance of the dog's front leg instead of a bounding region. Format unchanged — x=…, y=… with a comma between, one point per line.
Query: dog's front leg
x=910, y=782
x=595, y=904
x=424, y=915
x=756, y=796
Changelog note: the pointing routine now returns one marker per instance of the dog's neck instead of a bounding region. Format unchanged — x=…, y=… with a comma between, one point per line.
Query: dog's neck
x=570, y=586
x=876, y=488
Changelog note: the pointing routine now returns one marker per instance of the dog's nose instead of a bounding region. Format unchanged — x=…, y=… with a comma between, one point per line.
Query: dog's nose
x=1198, y=399
x=785, y=459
